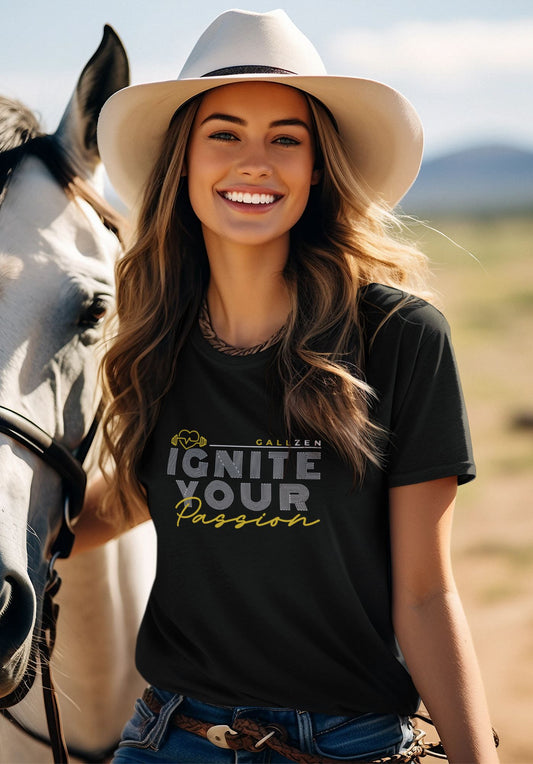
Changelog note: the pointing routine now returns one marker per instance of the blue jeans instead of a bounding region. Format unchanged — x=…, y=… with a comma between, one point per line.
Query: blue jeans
x=148, y=737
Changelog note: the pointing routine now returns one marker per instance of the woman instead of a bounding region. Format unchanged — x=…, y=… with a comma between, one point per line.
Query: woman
x=287, y=412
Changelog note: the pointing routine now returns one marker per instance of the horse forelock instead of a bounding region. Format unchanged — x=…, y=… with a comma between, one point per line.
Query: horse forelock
x=18, y=124
x=20, y=136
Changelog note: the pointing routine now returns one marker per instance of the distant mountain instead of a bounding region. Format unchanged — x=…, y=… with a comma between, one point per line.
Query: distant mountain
x=481, y=180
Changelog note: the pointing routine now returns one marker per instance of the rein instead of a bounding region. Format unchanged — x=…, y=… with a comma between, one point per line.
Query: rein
x=69, y=467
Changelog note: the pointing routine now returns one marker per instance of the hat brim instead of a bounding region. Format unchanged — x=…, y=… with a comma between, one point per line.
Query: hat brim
x=380, y=128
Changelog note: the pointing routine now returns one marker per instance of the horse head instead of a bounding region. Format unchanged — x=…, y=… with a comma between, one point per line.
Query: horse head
x=58, y=245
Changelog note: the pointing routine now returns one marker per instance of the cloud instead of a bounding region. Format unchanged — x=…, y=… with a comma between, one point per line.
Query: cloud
x=452, y=53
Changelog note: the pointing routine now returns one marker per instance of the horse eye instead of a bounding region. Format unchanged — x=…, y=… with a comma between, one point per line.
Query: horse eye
x=94, y=314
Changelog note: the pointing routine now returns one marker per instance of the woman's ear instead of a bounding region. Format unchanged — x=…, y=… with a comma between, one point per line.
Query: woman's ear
x=316, y=177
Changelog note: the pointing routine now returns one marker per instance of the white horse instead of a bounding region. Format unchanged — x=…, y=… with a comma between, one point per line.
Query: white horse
x=56, y=284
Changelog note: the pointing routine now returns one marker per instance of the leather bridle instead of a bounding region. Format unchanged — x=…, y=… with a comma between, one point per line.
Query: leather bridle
x=69, y=467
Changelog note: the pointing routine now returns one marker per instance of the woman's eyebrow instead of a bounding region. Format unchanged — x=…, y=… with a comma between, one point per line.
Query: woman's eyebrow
x=290, y=123
x=225, y=118
x=239, y=121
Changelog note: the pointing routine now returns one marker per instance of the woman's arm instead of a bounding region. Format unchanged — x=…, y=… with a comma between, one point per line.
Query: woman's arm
x=91, y=529
x=430, y=624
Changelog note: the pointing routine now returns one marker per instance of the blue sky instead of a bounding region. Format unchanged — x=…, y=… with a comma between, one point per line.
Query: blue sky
x=466, y=66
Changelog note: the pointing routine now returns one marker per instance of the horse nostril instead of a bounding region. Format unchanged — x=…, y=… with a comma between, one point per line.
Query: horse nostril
x=17, y=614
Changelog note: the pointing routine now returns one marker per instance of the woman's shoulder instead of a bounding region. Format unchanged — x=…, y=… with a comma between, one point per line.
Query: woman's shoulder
x=386, y=306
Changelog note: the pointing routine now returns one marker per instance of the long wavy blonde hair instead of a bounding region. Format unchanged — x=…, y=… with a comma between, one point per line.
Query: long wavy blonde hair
x=343, y=241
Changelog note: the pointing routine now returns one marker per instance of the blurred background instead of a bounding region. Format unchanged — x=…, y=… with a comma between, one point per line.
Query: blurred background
x=467, y=66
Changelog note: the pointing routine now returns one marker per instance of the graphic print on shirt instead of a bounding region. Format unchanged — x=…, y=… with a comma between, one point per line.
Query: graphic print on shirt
x=266, y=484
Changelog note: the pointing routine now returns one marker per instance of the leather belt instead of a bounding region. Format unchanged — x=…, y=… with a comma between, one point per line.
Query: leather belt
x=249, y=735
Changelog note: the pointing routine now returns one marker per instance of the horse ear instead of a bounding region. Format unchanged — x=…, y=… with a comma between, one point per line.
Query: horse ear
x=106, y=72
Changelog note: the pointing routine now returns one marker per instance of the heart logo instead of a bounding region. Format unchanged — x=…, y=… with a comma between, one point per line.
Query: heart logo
x=188, y=439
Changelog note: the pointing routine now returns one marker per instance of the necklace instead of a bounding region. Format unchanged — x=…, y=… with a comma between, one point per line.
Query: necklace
x=206, y=327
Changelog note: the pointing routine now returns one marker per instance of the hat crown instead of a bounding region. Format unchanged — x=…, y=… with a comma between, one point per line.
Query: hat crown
x=246, y=39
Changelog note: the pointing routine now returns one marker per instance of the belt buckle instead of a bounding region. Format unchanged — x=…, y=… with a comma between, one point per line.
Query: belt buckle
x=217, y=735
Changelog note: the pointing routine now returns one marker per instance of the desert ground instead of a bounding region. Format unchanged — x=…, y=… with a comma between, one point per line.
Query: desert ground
x=483, y=276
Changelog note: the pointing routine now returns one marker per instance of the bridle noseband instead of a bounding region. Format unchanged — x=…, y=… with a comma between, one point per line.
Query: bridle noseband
x=69, y=467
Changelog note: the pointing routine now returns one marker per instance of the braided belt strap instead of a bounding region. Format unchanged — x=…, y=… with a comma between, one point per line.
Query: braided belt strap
x=249, y=735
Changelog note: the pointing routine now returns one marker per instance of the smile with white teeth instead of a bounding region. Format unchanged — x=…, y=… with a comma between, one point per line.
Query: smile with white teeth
x=247, y=198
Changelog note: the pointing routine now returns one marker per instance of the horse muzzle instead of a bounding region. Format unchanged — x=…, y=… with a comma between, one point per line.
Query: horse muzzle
x=17, y=618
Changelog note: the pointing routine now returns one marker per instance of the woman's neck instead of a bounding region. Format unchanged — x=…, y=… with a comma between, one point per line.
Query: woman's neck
x=247, y=296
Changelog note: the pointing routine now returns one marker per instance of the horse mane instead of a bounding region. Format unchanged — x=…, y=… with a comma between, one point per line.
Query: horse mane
x=21, y=136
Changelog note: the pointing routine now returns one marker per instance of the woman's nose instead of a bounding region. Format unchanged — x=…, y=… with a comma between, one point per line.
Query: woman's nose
x=255, y=162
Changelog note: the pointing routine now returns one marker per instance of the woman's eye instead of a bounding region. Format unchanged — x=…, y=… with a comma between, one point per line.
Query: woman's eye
x=285, y=140
x=223, y=136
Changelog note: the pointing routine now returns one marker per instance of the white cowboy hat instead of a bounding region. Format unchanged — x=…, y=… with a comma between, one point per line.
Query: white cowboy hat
x=380, y=128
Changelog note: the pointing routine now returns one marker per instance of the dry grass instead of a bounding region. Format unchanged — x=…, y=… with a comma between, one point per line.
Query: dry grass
x=485, y=284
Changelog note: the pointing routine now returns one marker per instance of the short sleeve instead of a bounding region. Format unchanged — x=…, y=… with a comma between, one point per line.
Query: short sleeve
x=429, y=431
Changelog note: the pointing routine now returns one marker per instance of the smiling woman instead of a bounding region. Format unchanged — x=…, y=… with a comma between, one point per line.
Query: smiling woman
x=250, y=166
x=274, y=374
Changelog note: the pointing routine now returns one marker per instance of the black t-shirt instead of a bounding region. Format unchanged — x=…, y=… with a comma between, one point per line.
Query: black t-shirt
x=273, y=574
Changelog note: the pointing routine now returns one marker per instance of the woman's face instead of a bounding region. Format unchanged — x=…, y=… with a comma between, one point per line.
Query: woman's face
x=250, y=164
